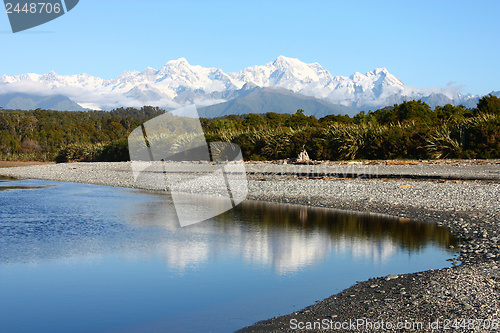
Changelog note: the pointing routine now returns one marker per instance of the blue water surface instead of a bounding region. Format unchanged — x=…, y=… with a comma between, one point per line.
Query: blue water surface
x=87, y=258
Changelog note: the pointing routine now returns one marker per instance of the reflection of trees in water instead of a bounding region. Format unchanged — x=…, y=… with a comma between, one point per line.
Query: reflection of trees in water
x=409, y=234
x=7, y=188
x=285, y=237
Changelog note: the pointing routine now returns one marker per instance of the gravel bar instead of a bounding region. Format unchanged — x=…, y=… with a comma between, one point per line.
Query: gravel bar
x=461, y=195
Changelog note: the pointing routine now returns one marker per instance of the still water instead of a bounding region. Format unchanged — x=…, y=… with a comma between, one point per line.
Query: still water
x=86, y=258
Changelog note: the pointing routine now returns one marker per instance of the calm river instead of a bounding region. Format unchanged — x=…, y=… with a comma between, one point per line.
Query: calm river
x=87, y=258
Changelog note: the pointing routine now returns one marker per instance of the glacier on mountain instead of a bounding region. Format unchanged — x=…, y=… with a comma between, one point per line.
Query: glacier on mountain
x=179, y=83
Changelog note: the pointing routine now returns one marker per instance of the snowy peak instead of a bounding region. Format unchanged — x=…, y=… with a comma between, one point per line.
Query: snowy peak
x=289, y=73
x=179, y=83
x=377, y=75
x=284, y=63
x=384, y=77
x=179, y=62
x=290, y=69
x=176, y=66
x=179, y=75
x=380, y=77
x=149, y=71
x=173, y=67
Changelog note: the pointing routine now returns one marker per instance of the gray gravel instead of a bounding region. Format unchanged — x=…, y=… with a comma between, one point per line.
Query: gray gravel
x=464, y=196
x=448, y=169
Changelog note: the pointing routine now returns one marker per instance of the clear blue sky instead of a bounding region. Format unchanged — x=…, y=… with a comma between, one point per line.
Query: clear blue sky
x=424, y=43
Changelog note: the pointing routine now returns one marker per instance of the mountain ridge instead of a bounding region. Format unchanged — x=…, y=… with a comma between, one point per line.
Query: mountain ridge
x=279, y=100
x=22, y=101
x=179, y=83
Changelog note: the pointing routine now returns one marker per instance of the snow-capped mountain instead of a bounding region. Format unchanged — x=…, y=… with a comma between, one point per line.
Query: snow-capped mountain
x=179, y=83
x=286, y=73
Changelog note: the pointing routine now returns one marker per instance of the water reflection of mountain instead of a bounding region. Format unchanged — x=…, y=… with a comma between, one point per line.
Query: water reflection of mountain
x=88, y=222
x=286, y=237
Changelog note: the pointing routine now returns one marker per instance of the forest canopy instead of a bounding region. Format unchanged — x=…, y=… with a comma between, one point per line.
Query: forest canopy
x=410, y=130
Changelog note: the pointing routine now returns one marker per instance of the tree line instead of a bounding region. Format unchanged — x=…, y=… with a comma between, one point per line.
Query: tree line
x=410, y=130
x=43, y=134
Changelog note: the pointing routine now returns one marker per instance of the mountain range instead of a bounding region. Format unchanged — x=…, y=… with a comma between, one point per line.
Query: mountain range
x=263, y=100
x=282, y=85
x=23, y=101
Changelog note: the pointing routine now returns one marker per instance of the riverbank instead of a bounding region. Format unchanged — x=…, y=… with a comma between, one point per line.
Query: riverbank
x=13, y=164
x=463, y=196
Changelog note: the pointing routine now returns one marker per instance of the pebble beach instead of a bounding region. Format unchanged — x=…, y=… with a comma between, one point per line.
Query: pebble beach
x=461, y=195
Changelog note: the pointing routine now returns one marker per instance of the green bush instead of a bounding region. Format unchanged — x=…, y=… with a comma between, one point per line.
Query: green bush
x=410, y=130
x=115, y=151
x=79, y=152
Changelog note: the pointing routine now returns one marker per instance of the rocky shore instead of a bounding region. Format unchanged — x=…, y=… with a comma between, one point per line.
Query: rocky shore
x=461, y=195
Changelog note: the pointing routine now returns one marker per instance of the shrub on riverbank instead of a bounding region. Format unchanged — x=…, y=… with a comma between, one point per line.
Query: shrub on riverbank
x=79, y=152
x=410, y=130
x=474, y=137
x=114, y=151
